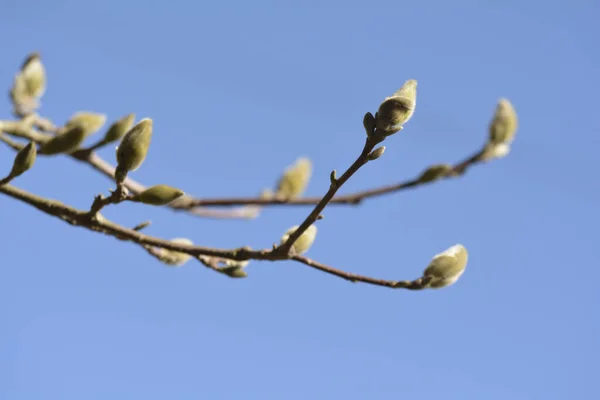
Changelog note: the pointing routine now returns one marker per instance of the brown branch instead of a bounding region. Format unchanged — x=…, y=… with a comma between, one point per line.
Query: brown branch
x=206, y=255
x=11, y=143
x=347, y=199
x=336, y=183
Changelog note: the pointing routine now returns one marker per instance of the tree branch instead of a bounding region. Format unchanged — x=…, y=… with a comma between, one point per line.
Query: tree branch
x=206, y=255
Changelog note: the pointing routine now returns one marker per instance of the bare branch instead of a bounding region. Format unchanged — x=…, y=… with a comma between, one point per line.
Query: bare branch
x=206, y=255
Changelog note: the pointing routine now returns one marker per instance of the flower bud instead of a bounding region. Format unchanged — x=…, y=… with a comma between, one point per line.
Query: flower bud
x=234, y=272
x=396, y=110
x=375, y=154
x=295, y=179
x=119, y=128
x=495, y=151
x=91, y=121
x=369, y=123
x=304, y=242
x=504, y=123
x=445, y=268
x=175, y=258
x=33, y=76
x=435, y=172
x=66, y=142
x=158, y=195
x=24, y=160
x=133, y=149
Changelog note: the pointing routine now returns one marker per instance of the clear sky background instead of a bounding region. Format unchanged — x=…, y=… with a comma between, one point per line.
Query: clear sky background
x=238, y=90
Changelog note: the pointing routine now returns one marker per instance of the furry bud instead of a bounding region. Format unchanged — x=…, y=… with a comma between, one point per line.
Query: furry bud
x=304, y=242
x=65, y=142
x=24, y=160
x=133, y=149
x=397, y=109
x=158, y=195
x=295, y=179
x=445, y=268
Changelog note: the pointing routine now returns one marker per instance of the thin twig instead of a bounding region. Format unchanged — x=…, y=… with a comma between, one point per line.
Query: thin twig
x=336, y=183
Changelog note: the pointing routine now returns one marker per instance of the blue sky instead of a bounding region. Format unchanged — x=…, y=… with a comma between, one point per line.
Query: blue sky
x=239, y=90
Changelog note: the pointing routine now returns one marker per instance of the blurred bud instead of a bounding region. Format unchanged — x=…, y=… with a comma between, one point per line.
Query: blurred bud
x=369, y=123
x=375, y=154
x=175, y=258
x=89, y=120
x=119, y=128
x=133, y=149
x=24, y=160
x=236, y=263
x=158, y=195
x=295, y=178
x=304, y=242
x=435, y=172
x=445, y=268
x=504, y=123
x=266, y=194
x=495, y=151
x=33, y=76
x=396, y=110
x=66, y=142
x=234, y=272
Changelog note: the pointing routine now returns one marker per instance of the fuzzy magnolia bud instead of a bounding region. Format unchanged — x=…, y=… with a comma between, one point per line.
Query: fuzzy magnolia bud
x=119, y=128
x=375, y=154
x=369, y=123
x=66, y=142
x=158, y=195
x=445, y=268
x=234, y=271
x=295, y=178
x=32, y=77
x=503, y=126
x=495, y=151
x=24, y=160
x=175, y=258
x=304, y=242
x=133, y=149
x=91, y=121
x=435, y=172
x=397, y=109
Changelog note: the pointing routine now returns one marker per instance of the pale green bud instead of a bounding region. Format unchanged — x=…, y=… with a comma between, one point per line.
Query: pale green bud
x=175, y=258
x=119, y=128
x=33, y=76
x=369, y=123
x=435, y=172
x=493, y=151
x=304, y=242
x=24, y=160
x=158, y=195
x=375, y=154
x=133, y=149
x=503, y=126
x=397, y=109
x=91, y=121
x=66, y=142
x=234, y=272
x=295, y=178
x=445, y=268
